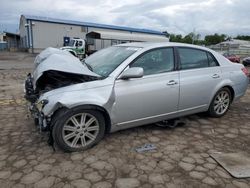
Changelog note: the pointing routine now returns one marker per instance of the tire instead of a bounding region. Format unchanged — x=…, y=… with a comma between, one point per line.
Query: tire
x=220, y=103
x=71, y=134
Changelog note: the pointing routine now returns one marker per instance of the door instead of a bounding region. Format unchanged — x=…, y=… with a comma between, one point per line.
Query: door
x=152, y=97
x=199, y=75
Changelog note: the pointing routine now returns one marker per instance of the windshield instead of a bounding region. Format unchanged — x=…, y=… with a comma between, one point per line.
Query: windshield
x=105, y=61
x=71, y=43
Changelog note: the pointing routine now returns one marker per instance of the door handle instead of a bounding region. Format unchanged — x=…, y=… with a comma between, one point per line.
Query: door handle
x=215, y=76
x=172, y=82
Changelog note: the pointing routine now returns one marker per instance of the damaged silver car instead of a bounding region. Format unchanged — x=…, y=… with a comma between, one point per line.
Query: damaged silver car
x=128, y=85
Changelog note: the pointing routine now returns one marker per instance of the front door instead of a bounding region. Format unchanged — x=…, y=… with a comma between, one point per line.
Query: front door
x=152, y=97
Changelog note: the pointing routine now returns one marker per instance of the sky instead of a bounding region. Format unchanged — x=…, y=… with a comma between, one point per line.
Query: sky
x=231, y=17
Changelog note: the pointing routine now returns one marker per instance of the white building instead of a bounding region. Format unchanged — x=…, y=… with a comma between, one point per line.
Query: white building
x=37, y=33
x=234, y=43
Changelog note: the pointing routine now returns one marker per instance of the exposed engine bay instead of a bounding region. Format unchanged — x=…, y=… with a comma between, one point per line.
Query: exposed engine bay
x=52, y=80
x=55, y=69
x=56, y=79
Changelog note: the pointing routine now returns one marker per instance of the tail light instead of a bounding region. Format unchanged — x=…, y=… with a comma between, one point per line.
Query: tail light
x=245, y=71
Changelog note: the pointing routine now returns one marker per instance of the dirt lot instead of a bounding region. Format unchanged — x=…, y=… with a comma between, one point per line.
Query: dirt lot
x=180, y=160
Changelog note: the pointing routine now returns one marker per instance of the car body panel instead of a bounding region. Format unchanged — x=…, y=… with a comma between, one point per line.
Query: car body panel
x=200, y=81
x=47, y=52
x=92, y=93
x=149, y=93
x=63, y=63
x=149, y=99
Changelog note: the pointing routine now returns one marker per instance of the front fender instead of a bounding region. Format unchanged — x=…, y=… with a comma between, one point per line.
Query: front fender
x=102, y=96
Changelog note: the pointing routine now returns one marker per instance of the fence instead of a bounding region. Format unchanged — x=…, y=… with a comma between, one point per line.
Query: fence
x=240, y=51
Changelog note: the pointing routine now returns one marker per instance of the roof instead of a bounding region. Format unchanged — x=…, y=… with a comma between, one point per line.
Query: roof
x=162, y=44
x=89, y=24
x=127, y=36
x=11, y=34
x=234, y=42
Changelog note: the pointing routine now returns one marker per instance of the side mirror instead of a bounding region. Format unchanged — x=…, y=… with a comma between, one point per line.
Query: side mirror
x=134, y=72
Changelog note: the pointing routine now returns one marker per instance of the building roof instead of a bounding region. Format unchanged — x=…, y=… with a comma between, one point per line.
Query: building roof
x=235, y=42
x=89, y=24
x=109, y=35
x=11, y=34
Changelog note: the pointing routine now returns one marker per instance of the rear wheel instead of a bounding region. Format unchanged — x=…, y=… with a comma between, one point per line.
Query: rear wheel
x=220, y=103
x=78, y=129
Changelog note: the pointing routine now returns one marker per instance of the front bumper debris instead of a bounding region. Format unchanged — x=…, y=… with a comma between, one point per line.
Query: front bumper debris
x=30, y=94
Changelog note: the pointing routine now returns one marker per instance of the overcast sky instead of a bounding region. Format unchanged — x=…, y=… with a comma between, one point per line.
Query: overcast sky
x=231, y=17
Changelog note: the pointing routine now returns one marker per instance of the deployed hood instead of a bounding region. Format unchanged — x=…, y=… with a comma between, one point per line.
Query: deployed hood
x=56, y=69
x=47, y=52
x=68, y=65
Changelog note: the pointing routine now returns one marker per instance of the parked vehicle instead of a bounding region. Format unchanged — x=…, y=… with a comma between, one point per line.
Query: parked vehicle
x=246, y=61
x=232, y=57
x=95, y=41
x=129, y=85
x=76, y=47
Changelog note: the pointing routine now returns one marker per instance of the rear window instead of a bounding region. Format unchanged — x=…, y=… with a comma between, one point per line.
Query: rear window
x=211, y=60
x=191, y=58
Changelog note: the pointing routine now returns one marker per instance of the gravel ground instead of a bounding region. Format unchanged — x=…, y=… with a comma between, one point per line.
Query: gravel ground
x=180, y=160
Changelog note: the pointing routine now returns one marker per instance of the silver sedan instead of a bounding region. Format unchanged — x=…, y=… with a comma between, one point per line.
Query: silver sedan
x=128, y=85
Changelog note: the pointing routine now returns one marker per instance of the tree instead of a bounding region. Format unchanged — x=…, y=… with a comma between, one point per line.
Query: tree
x=191, y=38
x=243, y=37
x=214, y=39
x=188, y=38
x=175, y=38
x=166, y=34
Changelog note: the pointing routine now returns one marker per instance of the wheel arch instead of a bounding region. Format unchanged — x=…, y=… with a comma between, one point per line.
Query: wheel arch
x=87, y=107
x=223, y=84
x=231, y=91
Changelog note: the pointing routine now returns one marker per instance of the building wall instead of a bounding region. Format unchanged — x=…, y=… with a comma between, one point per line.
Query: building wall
x=47, y=34
x=1, y=37
x=51, y=34
x=23, y=33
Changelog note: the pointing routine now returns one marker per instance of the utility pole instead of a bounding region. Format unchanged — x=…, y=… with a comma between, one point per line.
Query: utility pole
x=193, y=37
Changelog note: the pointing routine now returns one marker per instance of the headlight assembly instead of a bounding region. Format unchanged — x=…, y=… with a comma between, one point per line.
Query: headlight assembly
x=41, y=104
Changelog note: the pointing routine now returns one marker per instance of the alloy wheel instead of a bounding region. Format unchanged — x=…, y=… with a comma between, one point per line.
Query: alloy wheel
x=80, y=130
x=221, y=102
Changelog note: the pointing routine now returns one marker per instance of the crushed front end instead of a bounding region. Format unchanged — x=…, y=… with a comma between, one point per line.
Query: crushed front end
x=35, y=106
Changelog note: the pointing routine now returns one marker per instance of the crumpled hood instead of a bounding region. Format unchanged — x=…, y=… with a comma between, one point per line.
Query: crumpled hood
x=64, y=63
x=47, y=52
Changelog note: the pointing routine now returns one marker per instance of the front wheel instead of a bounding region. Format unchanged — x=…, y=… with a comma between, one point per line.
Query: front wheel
x=220, y=103
x=78, y=129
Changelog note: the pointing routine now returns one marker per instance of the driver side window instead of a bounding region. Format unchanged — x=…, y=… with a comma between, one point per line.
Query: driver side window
x=156, y=61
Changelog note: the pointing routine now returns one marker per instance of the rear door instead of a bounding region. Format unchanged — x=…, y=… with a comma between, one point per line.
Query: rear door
x=199, y=75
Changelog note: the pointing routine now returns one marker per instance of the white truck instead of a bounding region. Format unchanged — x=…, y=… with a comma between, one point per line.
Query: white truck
x=76, y=47
x=102, y=39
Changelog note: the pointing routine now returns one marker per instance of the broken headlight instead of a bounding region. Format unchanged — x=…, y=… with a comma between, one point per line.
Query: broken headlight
x=41, y=104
